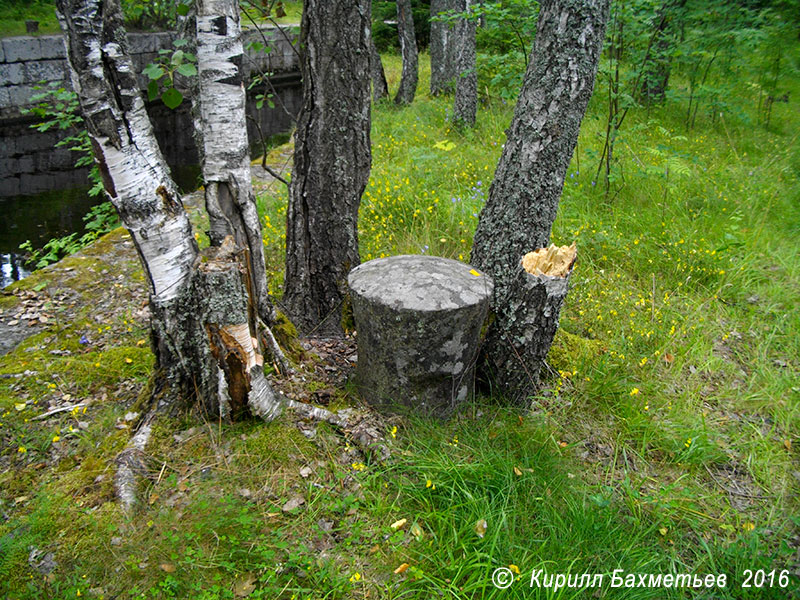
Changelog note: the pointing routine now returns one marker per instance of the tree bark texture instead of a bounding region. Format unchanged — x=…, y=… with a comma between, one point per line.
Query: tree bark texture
x=442, y=49
x=191, y=303
x=221, y=132
x=523, y=199
x=465, y=106
x=331, y=162
x=523, y=329
x=408, y=50
x=657, y=65
x=380, y=89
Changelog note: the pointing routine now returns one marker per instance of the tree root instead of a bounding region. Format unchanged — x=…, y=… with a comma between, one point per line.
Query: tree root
x=363, y=427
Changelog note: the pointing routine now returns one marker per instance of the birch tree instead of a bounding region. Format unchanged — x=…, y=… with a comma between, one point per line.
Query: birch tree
x=465, y=104
x=203, y=330
x=524, y=196
x=331, y=162
x=442, y=48
x=408, y=49
x=221, y=134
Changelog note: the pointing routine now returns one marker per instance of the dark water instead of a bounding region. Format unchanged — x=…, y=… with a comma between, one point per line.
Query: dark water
x=31, y=167
x=37, y=218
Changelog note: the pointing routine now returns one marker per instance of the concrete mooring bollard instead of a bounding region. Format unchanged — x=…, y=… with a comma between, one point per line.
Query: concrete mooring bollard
x=418, y=324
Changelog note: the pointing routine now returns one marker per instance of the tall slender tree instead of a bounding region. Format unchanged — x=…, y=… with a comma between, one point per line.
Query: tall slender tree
x=524, y=196
x=465, y=104
x=442, y=47
x=408, y=50
x=331, y=162
x=221, y=132
x=380, y=89
x=203, y=322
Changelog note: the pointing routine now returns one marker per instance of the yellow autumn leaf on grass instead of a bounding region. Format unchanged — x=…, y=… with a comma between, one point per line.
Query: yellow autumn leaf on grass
x=401, y=569
x=480, y=527
x=445, y=145
x=399, y=524
x=663, y=531
x=517, y=472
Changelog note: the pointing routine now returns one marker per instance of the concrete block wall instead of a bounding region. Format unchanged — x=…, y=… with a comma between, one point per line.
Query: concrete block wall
x=27, y=61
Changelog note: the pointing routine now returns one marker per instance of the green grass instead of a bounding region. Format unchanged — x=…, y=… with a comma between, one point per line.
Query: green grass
x=14, y=13
x=674, y=374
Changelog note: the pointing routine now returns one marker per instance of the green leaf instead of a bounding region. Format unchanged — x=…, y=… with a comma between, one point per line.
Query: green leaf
x=152, y=90
x=187, y=70
x=172, y=98
x=153, y=71
x=177, y=57
x=183, y=9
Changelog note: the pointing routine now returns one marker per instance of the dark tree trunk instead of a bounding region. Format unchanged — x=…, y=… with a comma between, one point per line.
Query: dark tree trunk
x=465, y=106
x=380, y=89
x=524, y=195
x=523, y=199
x=408, y=48
x=657, y=66
x=331, y=162
x=442, y=49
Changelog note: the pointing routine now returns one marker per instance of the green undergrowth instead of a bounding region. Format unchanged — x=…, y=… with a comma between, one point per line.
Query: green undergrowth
x=663, y=441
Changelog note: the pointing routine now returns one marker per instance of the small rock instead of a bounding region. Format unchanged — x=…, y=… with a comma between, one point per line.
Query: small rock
x=325, y=525
x=131, y=416
x=116, y=541
x=245, y=493
x=293, y=503
x=305, y=472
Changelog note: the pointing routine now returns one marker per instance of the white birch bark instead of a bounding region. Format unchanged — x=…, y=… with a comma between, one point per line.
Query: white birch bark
x=221, y=131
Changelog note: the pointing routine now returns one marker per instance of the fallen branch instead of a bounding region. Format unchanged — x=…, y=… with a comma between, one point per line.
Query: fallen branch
x=60, y=409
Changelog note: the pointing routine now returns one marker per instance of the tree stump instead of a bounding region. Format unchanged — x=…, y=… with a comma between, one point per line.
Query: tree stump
x=418, y=322
x=526, y=322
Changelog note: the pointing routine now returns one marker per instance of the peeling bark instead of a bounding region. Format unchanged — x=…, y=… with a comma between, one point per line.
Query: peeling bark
x=221, y=132
x=331, y=162
x=408, y=49
x=203, y=314
x=465, y=104
x=442, y=49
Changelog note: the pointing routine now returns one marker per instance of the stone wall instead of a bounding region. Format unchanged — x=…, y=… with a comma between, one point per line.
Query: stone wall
x=28, y=61
x=31, y=163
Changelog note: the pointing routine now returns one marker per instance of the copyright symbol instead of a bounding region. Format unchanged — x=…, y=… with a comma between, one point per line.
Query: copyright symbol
x=502, y=578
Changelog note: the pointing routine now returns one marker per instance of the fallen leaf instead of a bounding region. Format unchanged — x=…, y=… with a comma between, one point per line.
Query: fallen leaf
x=401, y=569
x=399, y=524
x=787, y=444
x=417, y=532
x=293, y=503
x=480, y=527
x=167, y=567
x=517, y=472
x=562, y=444
x=668, y=358
x=245, y=585
x=663, y=531
x=305, y=472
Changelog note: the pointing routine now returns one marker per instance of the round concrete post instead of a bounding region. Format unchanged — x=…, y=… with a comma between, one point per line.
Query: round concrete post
x=418, y=324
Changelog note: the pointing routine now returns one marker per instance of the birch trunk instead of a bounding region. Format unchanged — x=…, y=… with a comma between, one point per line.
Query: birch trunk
x=331, y=162
x=190, y=299
x=408, y=49
x=380, y=89
x=523, y=199
x=524, y=195
x=221, y=132
x=465, y=104
x=442, y=49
